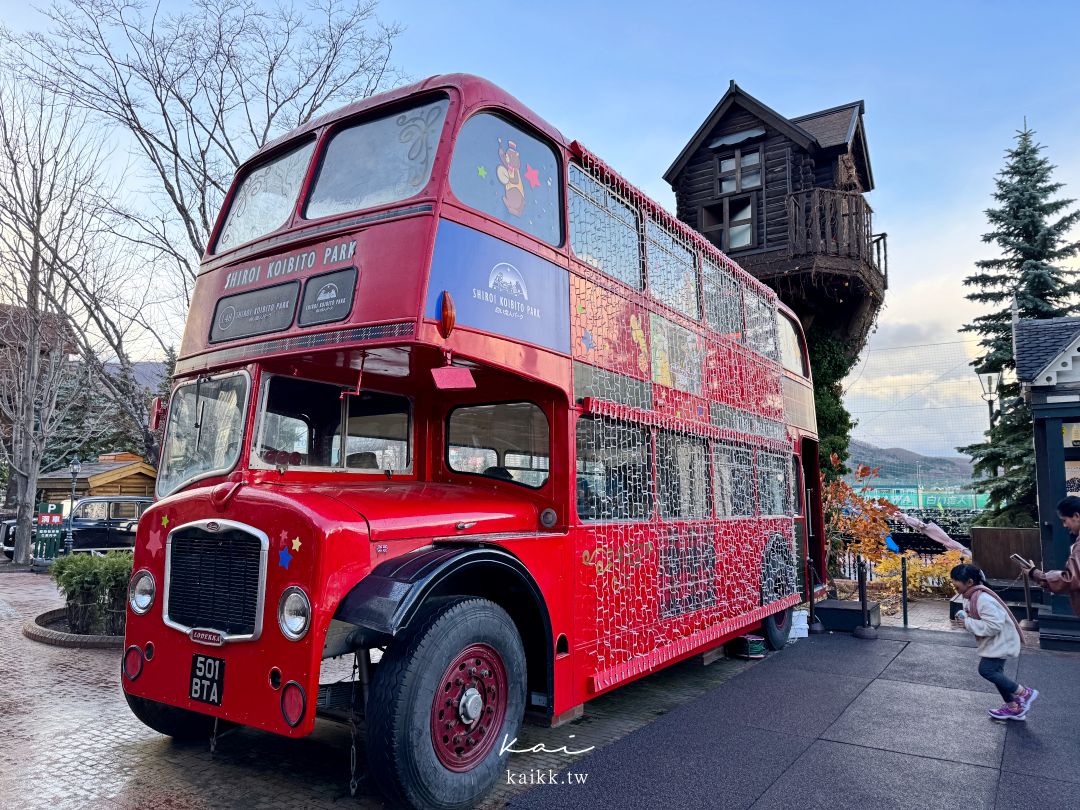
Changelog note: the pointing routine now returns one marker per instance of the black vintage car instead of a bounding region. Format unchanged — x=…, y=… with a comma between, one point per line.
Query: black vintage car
x=99, y=523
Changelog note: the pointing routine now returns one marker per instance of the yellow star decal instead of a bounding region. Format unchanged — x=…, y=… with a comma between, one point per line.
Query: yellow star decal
x=296, y=544
x=164, y=521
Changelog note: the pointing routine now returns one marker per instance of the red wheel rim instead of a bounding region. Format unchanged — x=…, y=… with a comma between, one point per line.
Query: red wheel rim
x=469, y=707
x=780, y=619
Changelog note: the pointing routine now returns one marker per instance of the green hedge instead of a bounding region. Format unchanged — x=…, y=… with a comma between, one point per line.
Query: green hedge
x=95, y=588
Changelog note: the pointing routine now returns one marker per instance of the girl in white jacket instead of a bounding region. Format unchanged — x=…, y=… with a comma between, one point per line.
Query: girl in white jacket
x=989, y=619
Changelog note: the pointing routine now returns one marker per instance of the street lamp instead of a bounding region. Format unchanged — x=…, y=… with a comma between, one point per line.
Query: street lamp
x=990, y=381
x=75, y=466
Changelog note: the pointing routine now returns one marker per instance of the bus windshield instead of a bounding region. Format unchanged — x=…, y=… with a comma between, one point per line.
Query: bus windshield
x=303, y=423
x=206, y=428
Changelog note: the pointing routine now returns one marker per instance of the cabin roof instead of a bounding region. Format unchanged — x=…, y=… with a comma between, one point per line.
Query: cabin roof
x=826, y=129
x=833, y=127
x=1036, y=342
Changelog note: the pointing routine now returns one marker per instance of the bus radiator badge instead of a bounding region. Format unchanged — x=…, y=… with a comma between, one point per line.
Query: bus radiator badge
x=211, y=637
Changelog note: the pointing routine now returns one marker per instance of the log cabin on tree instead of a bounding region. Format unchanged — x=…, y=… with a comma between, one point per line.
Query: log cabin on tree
x=784, y=198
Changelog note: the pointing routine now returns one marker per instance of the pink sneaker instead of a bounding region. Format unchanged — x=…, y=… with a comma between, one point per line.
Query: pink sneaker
x=1008, y=711
x=1025, y=697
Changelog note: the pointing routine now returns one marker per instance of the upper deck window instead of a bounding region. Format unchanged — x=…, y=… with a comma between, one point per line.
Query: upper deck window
x=378, y=162
x=672, y=274
x=603, y=228
x=265, y=198
x=791, y=347
x=723, y=300
x=506, y=173
x=761, y=325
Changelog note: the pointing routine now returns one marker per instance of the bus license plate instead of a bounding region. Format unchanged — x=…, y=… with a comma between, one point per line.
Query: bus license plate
x=207, y=679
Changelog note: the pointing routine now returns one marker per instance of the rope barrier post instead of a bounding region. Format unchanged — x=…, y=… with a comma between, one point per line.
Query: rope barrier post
x=1028, y=623
x=903, y=587
x=814, y=627
x=866, y=631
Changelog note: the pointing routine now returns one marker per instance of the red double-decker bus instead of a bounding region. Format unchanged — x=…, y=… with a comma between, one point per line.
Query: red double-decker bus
x=457, y=401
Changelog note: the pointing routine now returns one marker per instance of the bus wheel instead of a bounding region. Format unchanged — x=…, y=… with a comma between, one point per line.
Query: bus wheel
x=180, y=724
x=776, y=629
x=443, y=701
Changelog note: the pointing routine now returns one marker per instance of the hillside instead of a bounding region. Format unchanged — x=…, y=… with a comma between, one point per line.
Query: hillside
x=905, y=467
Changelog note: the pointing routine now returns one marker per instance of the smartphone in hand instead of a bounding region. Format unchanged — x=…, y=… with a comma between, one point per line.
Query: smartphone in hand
x=1026, y=564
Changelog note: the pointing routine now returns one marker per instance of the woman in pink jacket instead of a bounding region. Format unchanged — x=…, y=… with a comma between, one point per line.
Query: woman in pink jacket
x=1067, y=580
x=995, y=628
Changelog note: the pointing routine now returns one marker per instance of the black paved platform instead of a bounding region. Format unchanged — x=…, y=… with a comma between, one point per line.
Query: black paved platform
x=835, y=722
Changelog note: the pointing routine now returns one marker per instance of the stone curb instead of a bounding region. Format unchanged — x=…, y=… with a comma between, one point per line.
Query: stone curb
x=34, y=631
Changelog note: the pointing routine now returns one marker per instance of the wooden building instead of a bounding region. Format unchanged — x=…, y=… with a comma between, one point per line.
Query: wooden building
x=784, y=198
x=1047, y=354
x=110, y=474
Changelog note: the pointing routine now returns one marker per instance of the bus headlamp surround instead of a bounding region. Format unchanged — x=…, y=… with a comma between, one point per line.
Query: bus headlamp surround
x=294, y=613
x=141, y=591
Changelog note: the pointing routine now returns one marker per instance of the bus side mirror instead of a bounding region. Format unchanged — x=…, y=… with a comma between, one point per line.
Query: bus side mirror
x=158, y=411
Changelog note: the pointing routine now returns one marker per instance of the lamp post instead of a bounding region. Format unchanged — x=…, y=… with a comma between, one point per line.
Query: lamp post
x=990, y=381
x=75, y=466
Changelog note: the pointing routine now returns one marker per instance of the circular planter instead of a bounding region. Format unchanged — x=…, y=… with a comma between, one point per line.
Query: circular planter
x=35, y=630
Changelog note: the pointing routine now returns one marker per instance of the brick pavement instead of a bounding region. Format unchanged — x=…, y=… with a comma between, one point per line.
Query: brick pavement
x=68, y=740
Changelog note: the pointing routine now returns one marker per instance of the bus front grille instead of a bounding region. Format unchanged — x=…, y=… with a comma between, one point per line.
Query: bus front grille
x=214, y=575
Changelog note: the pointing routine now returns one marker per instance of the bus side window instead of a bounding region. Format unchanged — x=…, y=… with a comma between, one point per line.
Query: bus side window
x=614, y=470
x=684, y=476
x=508, y=441
x=734, y=475
x=774, y=485
x=791, y=348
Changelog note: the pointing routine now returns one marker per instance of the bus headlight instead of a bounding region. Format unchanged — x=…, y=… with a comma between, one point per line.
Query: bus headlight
x=141, y=591
x=294, y=613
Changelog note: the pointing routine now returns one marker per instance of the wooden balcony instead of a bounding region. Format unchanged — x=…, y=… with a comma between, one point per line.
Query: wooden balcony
x=825, y=222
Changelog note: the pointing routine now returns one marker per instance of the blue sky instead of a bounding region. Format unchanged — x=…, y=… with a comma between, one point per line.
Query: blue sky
x=946, y=86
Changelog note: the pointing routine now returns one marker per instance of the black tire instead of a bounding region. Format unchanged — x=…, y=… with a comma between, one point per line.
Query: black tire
x=401, y=710
x=180, y=724
x=776, y=629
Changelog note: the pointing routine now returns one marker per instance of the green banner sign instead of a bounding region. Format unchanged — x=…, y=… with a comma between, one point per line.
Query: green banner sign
x=914, y=498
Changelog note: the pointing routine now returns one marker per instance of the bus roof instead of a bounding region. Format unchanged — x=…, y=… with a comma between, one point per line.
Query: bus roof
x=474, y=91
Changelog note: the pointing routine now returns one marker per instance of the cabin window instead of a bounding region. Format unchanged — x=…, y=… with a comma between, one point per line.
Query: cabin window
x=733, y=467
x=508, y=174
x=791, y=346
x=730, y=224
x=683, y=468
x=265, y=198
x=723, y=300
x=508, y=441
x=614, y=470
x=378, y=161
x=603, y=228
x=738, y=171
x=672, y=271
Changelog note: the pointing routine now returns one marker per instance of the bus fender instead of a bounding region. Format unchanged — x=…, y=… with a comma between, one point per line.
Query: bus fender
x=382, y=605
x=384, y=602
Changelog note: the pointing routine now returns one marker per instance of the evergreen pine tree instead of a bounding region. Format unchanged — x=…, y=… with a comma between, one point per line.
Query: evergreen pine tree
x=1031, y=231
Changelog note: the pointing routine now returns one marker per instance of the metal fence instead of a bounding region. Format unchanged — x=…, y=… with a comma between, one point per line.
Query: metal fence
x=847, y=567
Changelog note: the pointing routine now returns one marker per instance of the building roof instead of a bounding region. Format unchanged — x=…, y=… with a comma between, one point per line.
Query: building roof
x=825, y=129
x=833, y=127
x=101, y=471
x=1036, y=342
